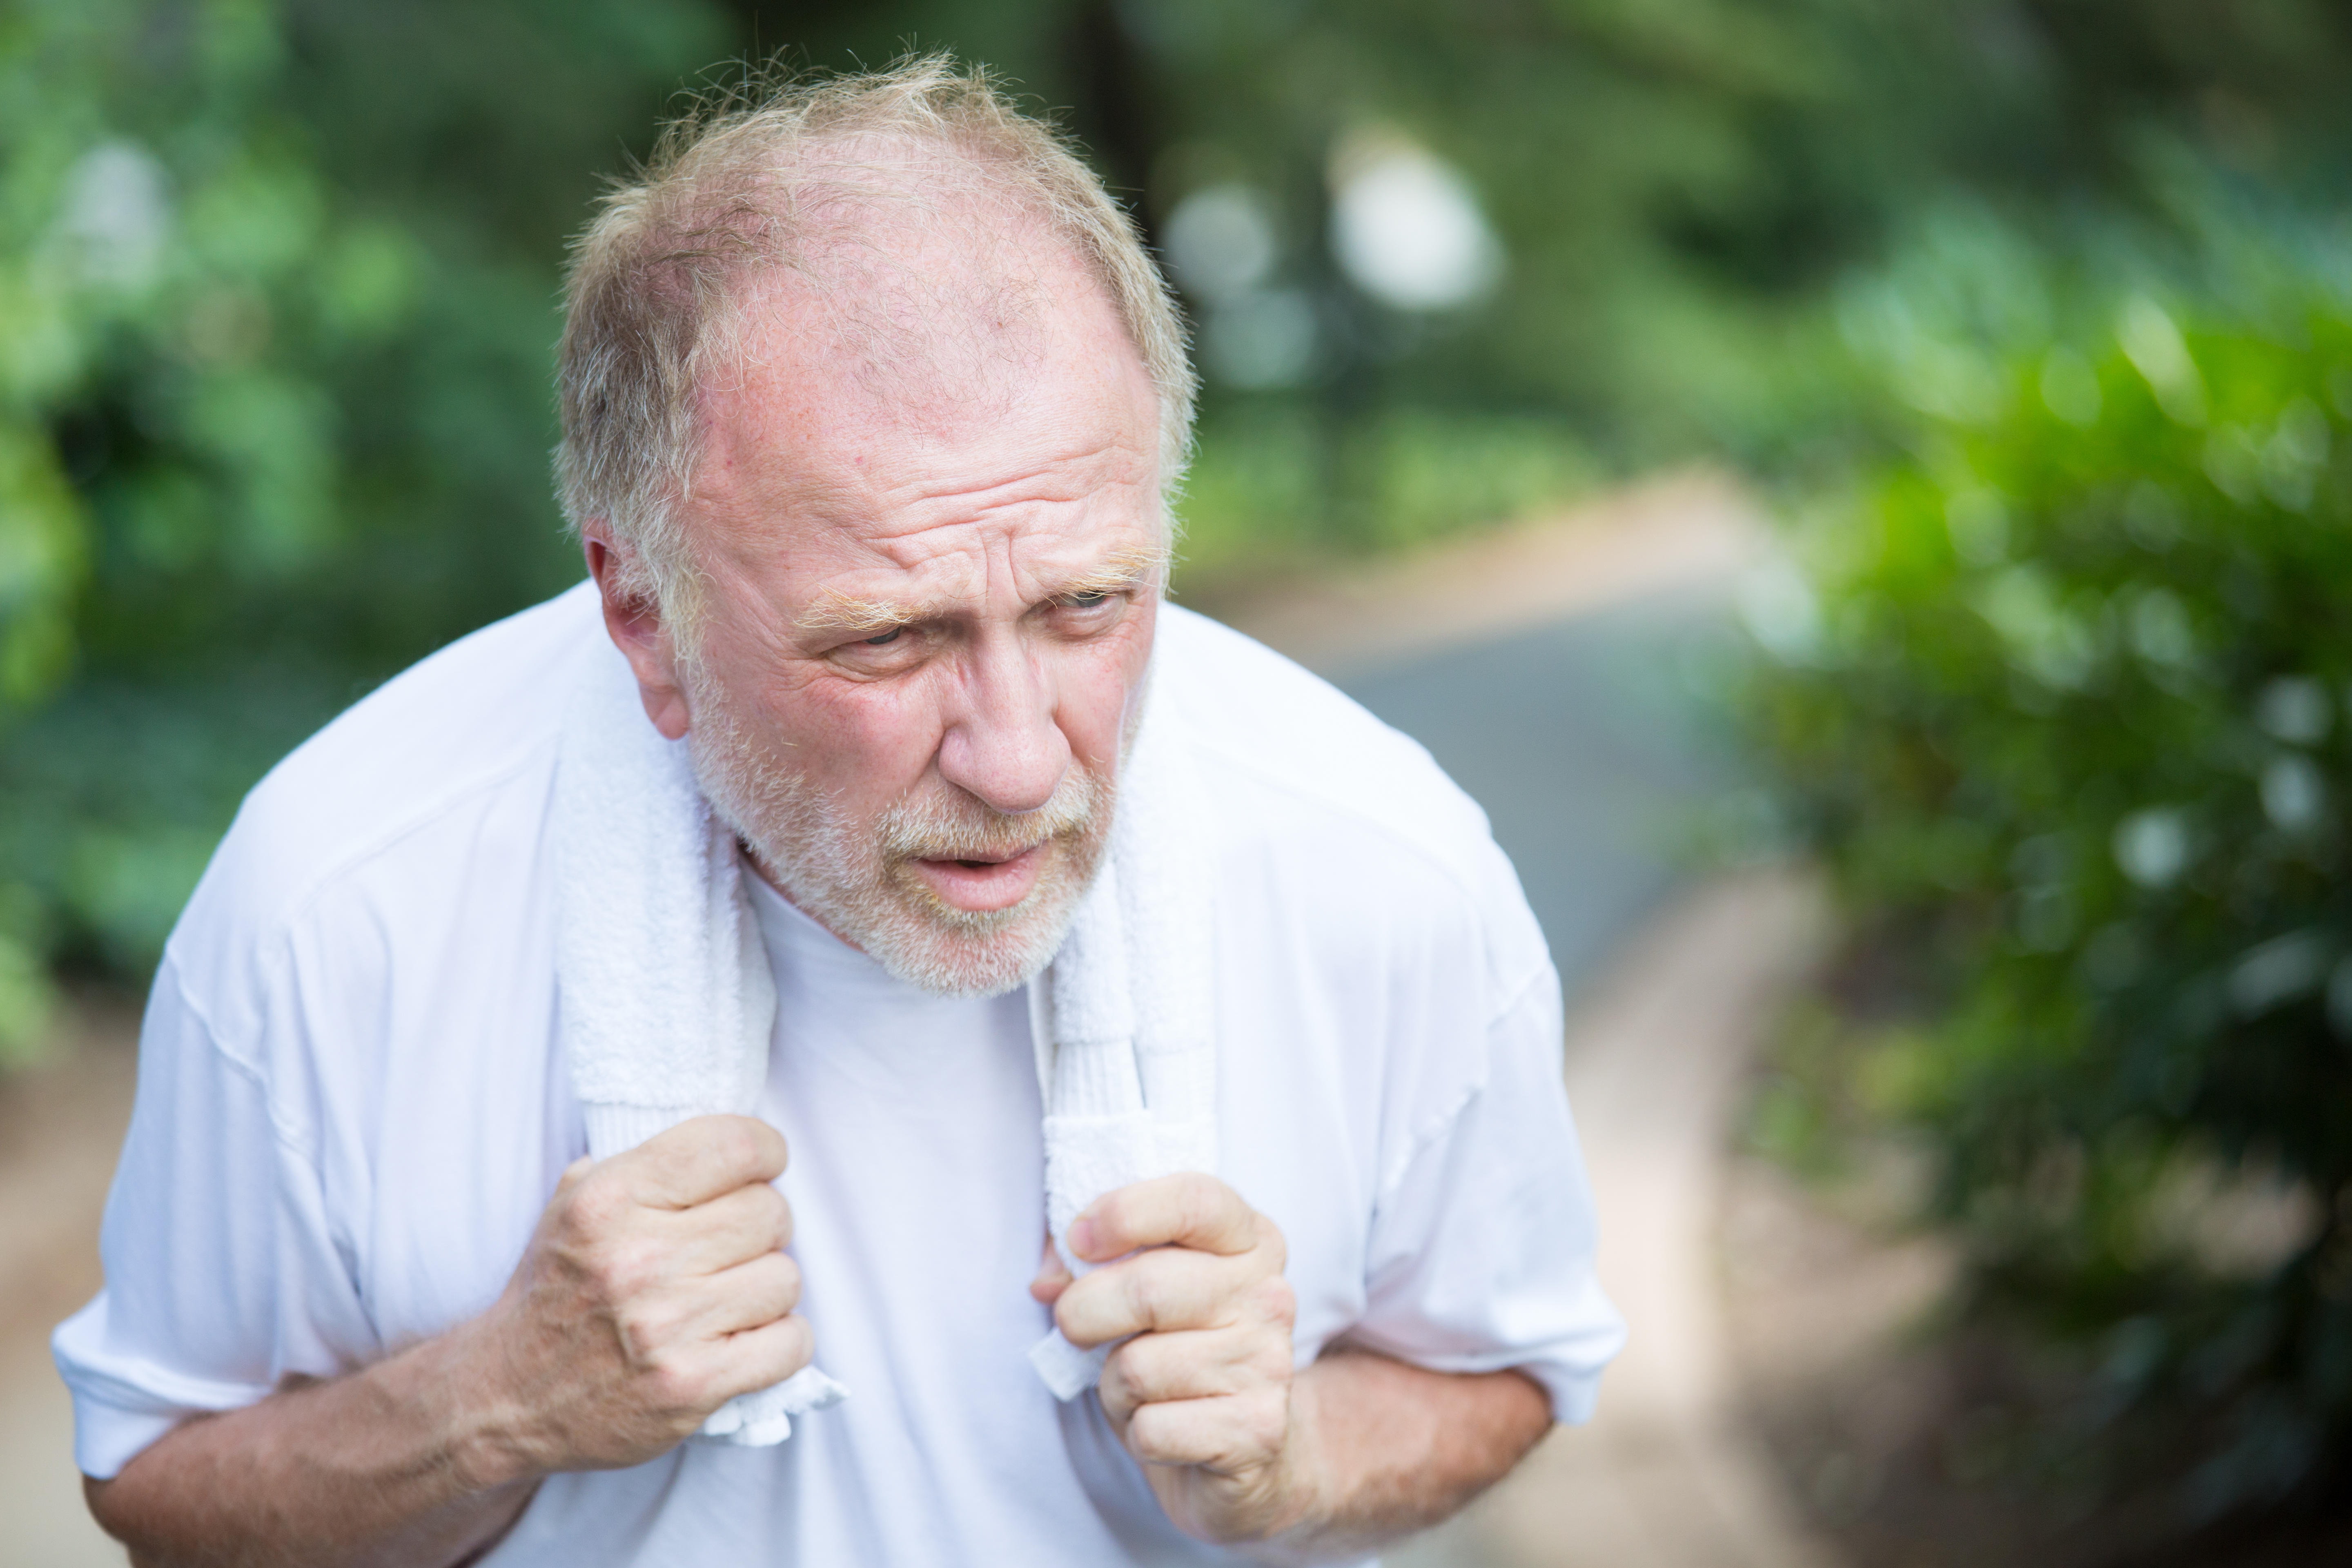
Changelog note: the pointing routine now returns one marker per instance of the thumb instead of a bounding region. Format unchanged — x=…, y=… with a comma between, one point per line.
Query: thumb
x=1053, y=1276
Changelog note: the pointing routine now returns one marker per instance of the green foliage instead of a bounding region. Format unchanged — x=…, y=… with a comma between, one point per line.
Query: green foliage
x=2064, y=696
x=1276, y=482
x=1678, y=183
x=275, y=308
x=95, y=288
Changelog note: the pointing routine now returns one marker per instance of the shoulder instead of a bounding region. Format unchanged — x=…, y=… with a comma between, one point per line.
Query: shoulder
x=1356, y=811
x=441, y=771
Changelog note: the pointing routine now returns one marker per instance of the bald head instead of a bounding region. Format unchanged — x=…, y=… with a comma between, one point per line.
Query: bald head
x=908, y=233
x=930, y=295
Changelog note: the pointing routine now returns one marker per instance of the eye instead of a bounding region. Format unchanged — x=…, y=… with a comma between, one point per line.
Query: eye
x=1086, y=601
x=886, y=638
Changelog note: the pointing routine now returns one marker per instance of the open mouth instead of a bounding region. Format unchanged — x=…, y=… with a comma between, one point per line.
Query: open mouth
x=983, y=883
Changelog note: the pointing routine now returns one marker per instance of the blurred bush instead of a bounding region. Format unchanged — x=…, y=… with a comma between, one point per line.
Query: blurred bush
x=2063, y=694
x=276, y=297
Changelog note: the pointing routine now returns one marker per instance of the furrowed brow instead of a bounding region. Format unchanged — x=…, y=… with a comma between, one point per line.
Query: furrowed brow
x=1130, y=569
x=835, y=611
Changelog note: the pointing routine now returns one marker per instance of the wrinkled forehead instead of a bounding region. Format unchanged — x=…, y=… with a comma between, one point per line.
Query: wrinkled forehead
x=941, y=344
x=919, y=291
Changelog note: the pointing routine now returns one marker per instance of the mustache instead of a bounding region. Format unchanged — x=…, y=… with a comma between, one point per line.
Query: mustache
x=956, y=827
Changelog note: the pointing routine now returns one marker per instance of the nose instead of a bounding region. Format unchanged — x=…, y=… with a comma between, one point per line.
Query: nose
x=1001, y=744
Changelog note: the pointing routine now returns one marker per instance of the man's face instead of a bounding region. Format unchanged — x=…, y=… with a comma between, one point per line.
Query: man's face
x=930, y=578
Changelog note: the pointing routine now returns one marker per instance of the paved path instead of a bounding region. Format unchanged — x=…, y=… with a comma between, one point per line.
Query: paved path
x=1549, y=672
x=1550, y=669
x=60, y=1127
x=1588, y=751
x=1665, y=1476
x=1546, y=668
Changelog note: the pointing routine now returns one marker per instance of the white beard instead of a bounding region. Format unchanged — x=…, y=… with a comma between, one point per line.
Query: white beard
x=861, y=886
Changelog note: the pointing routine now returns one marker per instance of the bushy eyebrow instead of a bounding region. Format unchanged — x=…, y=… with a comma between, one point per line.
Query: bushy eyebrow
x=1136, y=566
x=1130, y=569
x=835, y=611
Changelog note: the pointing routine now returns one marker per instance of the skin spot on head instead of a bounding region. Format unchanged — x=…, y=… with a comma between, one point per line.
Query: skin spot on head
x=942, y=303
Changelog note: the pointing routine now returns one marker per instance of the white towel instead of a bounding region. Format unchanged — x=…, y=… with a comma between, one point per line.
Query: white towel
x=667, y=1003
x=1124, y=1023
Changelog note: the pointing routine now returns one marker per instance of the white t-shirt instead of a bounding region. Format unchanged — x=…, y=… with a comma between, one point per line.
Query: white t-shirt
x=352, y=1110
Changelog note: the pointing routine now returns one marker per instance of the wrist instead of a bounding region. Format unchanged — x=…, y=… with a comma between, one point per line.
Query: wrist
x=1302, y=1498
x=478, y=1425
x=1297, y=1499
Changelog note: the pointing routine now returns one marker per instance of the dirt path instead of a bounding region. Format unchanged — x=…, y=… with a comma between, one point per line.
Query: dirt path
x=1658, y=536
x=62, y=1126
x=1667, y=1475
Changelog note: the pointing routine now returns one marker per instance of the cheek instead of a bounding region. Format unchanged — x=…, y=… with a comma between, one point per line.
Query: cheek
x=1095, y=682
x=861, y=741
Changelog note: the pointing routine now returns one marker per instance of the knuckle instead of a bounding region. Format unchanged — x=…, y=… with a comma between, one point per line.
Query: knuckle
x=1266, y=1420
x=1140, y=1289
x=675, y=1385
x=1151, y=1434
x=1137, y=1372
x=1272, y=1243
x=775, y=1354
x=731, y=1139
x=777, y=1278
x=800, y=1344
x=1070, y=1313
x=750, y=1144
x=1271, y=1361
x=623, y=1270
x=1200, y=1196
x=595, y=1207
x=1274, y=1301
x=648, y=1329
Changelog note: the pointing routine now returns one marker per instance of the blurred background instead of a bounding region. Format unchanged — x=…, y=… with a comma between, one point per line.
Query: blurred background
x=1907, y=442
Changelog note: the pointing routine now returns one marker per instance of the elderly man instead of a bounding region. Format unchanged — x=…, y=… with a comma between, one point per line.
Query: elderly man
x=1145, y=1023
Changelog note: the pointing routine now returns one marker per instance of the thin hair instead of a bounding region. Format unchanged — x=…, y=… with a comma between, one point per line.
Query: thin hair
x=767, y=175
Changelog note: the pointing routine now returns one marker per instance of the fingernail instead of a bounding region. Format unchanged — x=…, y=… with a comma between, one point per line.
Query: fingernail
x=1081, y=1239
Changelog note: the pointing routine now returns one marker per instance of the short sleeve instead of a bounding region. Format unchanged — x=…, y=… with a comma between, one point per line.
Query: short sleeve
x=222, y=1278
x=1482, y=1244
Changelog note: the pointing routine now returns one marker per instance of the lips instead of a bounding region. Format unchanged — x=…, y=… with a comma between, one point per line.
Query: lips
x=984, y=884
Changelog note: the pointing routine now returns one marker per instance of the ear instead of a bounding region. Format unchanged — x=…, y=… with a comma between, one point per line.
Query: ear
x=633, y=620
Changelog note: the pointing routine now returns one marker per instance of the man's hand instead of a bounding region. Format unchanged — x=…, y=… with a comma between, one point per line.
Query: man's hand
x=1350, y=1454
x=653, y=1290
x=1201, y=1393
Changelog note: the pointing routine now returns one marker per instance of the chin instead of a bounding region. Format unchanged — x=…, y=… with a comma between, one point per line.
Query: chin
x=948, y=951
x=967, y=970
x=897, y=920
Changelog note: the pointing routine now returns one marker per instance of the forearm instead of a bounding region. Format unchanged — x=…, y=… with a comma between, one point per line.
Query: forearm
x=1383, y=1449
x=396, y=1463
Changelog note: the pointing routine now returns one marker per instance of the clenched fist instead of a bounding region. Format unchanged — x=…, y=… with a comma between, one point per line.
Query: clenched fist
x=655, y=1289
x=1202, y=1392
